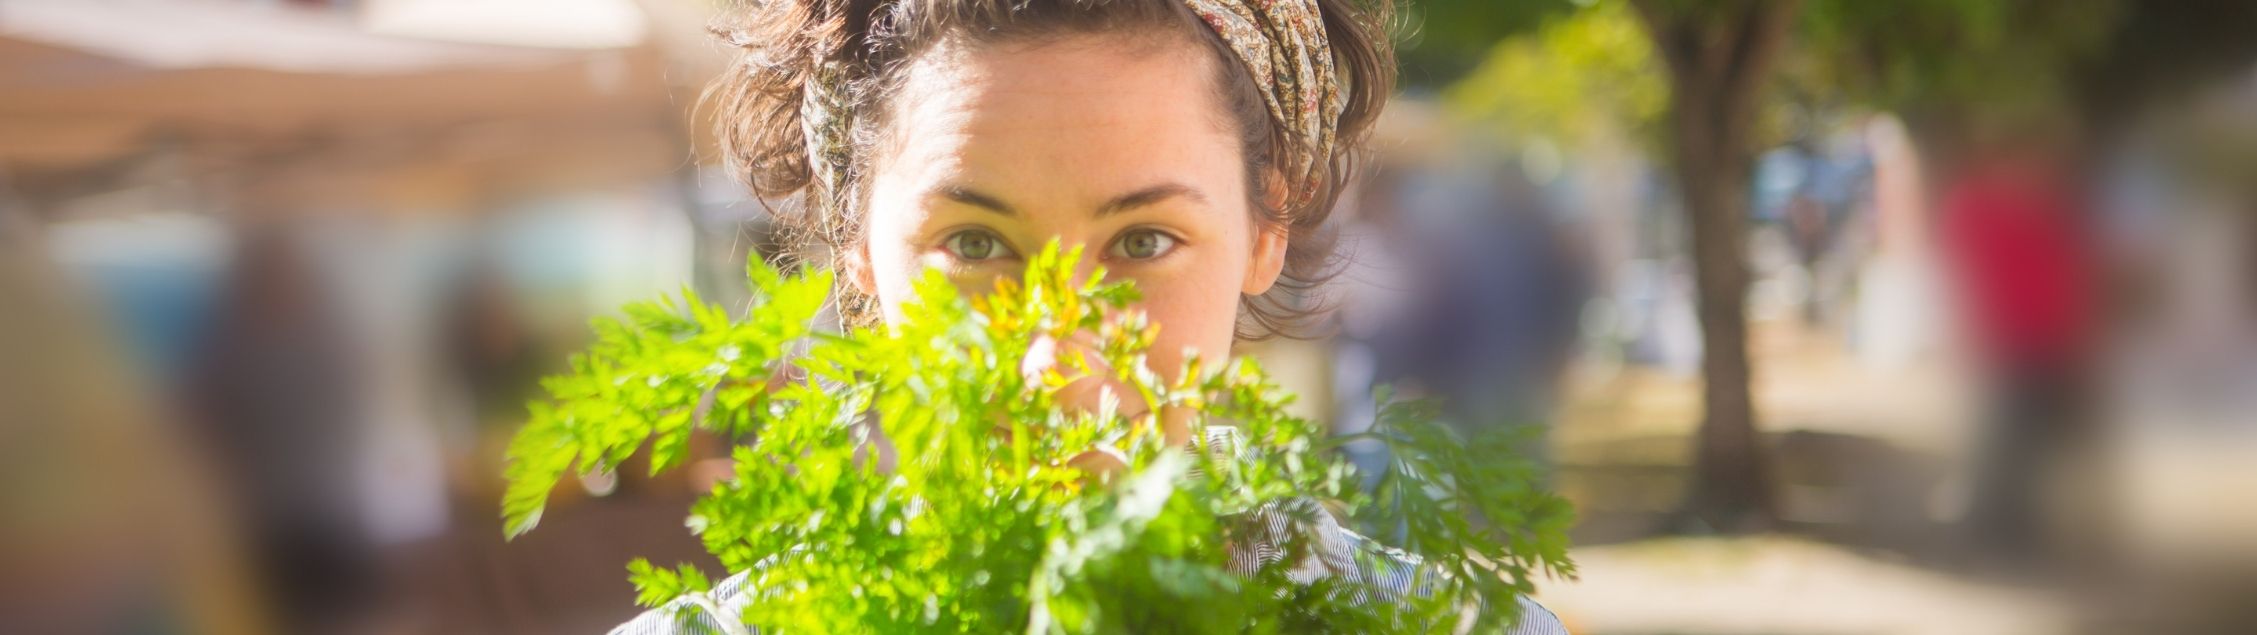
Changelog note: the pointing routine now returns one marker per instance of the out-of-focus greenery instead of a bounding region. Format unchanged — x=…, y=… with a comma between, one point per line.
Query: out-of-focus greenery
x=985, y=523
x=1582, y=76
x=1593, y=71
x=1564, y=70
x=1992, y=59
x=1446, y=39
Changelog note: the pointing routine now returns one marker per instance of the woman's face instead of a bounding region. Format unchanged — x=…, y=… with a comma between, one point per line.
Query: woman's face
x=1118, y=145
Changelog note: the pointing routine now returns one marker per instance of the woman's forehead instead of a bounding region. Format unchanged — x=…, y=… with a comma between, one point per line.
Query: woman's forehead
x=1061, y=118
x=1058, y=80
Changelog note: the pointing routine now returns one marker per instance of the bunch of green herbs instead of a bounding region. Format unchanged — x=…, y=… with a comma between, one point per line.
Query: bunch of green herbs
x=984, y=522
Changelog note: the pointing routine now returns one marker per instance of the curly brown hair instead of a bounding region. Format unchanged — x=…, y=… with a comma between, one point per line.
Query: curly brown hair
x=764, y=137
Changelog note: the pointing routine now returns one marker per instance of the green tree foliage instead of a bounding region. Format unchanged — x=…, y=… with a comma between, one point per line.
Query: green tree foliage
x=1446, y=38
x=984, y=524
x=1961, y=69
x=1989, y=59
x=1581, y=77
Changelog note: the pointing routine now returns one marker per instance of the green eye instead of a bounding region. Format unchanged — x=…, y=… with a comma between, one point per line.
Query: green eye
x=1143, y=244
x=975, y=245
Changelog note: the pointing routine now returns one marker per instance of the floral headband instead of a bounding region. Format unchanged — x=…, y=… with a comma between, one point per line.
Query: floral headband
x=1281, y=42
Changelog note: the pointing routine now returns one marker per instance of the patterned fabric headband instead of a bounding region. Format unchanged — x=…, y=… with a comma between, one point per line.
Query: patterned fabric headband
x=1281, y=42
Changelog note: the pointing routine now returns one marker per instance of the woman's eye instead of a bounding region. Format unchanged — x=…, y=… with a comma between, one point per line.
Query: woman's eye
x=1143, y=244
x=975, y=245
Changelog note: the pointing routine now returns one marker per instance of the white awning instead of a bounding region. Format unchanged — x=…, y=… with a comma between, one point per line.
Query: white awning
x=185, y=34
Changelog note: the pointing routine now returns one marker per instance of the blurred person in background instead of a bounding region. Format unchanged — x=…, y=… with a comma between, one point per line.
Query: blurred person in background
x=2017, y=250
x=273, y=399
x=495, y=355
x=1462, y=287
x=1896, y=320
x=107, y=523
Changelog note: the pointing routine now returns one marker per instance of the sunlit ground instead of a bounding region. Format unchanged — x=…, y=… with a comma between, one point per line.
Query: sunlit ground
x=1783, y=584
x=1864, y=457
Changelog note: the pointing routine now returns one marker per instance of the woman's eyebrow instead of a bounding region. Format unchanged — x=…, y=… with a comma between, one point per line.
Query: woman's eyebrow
x=1148, y=196
x=968, y=196
x=1125, y=202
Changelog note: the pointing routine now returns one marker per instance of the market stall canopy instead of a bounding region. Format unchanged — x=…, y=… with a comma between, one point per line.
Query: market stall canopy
x=445, y=87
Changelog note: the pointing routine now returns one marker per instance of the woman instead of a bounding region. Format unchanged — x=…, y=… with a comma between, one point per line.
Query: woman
x=1193, y=146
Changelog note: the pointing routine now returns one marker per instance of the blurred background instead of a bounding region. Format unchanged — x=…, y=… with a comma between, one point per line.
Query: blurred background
x=1834, y=316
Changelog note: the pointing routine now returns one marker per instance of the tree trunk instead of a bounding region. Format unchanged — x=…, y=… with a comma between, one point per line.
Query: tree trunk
x=1719, y=55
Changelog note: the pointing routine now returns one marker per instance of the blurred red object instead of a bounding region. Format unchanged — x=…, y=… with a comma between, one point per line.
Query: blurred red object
x=2023, y=262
